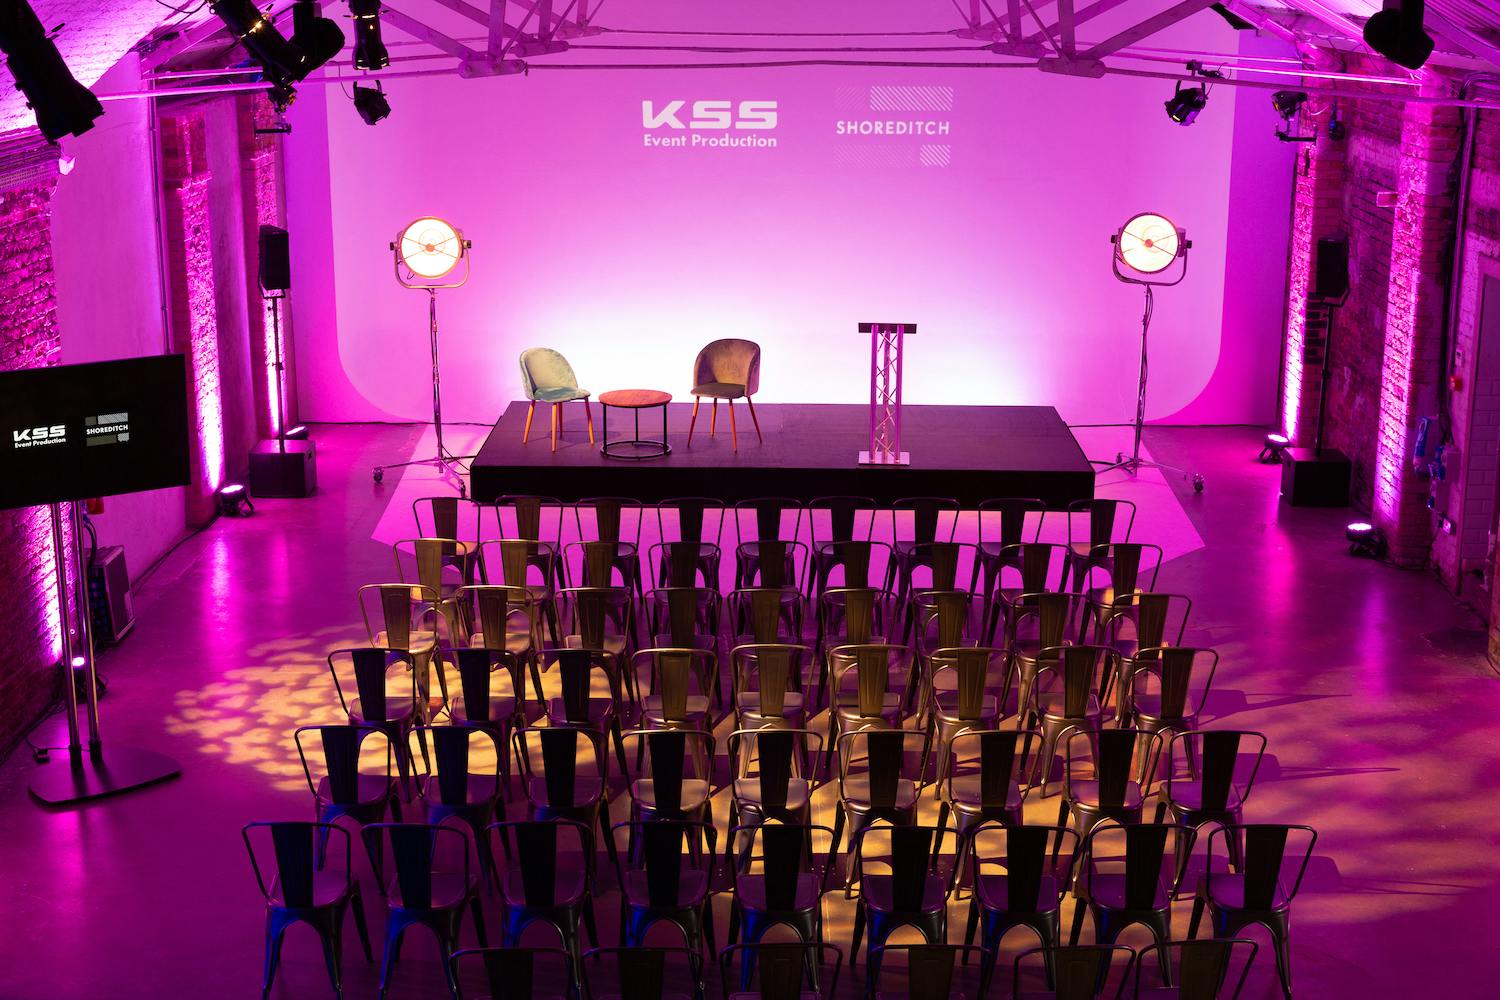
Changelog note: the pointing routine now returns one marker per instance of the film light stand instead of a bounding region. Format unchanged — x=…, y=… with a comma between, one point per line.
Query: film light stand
x=428, y=254
x=886, y=350
x=1147, y=246
x=94, y=771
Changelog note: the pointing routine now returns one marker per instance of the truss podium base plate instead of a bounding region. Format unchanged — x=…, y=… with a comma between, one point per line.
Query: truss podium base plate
x=96, y=774
x=885, y=458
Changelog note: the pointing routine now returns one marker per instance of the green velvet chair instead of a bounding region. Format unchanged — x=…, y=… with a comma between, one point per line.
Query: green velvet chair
x=548, y=378
x=729, y=370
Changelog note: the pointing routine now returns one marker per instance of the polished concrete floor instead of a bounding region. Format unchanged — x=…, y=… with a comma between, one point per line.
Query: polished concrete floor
x=1369, y=681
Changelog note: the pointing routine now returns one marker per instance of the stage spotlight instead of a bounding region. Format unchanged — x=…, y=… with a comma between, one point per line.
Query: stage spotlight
x=1274, y=445
x=1396, y=32
x=63, y=106
x=1185, y=103
x=371, y=103
x=320, y=38
x=1365, y=540
x=234, y=501
x=280, y=60
x=1287, y=103
x=298, y=433
x=369, y=50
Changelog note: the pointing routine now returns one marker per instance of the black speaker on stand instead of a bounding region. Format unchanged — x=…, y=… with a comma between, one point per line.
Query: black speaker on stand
x=1318, y=476
x=282, y=467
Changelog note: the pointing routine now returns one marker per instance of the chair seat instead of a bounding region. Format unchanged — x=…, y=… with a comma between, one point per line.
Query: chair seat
x=568, y=886
x=559, y=394
x=697, y=707
x=720, y=390
x=804, y=995
x=599, y=710
x=419, y=642
x=798, y=790
x=691, y=890
x=695, y=793
x=329, y=887
x=1229, y=893
x=848, y=706
x=502, y=709
x=748, y=703
x=1147, y=707
x=612, y=644
x=1189, y=795
x=1053, y=707
x=700, y=640
x=517, y=643
x=876, y=893
x=480, y=790
x=586, y=791
x=947, y=708
x=357, y=710
x=371, y=789
x=966, y=794
x=857, y=791
x=752, y=892
x=993, y=892
x=1087, y=794
x=449, y=889
x=1108, y=890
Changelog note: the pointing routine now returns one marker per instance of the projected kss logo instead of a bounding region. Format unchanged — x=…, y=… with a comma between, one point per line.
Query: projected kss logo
x=708, y=117
x=37, y=437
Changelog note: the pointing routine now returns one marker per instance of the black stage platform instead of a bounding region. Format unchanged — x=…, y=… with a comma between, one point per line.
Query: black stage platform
x=971, y=453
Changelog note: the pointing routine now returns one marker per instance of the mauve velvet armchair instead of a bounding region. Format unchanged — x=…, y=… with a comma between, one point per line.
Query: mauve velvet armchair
x=548, y=378
x=726, y=369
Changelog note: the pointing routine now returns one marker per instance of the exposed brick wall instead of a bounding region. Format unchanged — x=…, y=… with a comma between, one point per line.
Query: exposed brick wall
x=1317, y=212
x=28, y=581
x=265, y=204
x=189, y=250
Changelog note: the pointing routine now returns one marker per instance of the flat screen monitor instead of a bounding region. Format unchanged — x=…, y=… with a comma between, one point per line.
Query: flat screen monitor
x=78, y=431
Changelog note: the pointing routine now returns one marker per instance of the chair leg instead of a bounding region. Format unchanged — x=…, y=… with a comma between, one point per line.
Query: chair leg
x=697, y=400
x=332, y=953
x=478, y=911
x=530, y=412
x=1197, y=917
x=754, y=419
x=713, y=417
x=734, y=437
x=588, y=412
x=275, y=929
x=1079, y=908
x=555, y=422
x=357, y=904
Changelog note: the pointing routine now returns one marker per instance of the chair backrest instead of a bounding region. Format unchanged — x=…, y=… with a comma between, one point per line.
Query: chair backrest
x=941, y=559
x=885, y=757
x=1273, y=861
x=1201, y=968
x=944, y=618
x=395, y=604
x=765, y=519
x=909, y=855
x=853, y=560
x=772, y=563
x=544, y=368
x=476, y=668
x=514, y=973
x=661, y=854
x=596, y=614
x=640, y=973
x=450, y=755
x=445, y=516
x=1077, y=972
x=873, y=664
x=529, y=514
x=779, y=970
x=668, y=757
x=926, y=518
x=1227, y=763
x=296, y=858
x=1006, y=758
x=560, y=751
x=757, y=612
x=699, y=519
x=1031, y=565
x=1004, y=520
x=1052, y=611
x=838, y=518
x=414, y=849
x=615, y=519
x=340, y=747
x=857, y=606
x=1184, y=675
x=1114, y=757
x=672, y=675
x=370, y=667
x=537, y=848
x=1150, y=879
x=1154, y=614
x=972, y=670
x=779, y=755
x=492, y=607
x=1132, y=566
x=598, y=563
x=1100, y=521
x=770, y=669
x=1028, y=855
x=779, y=854
x=931, y=971
x=732, y=361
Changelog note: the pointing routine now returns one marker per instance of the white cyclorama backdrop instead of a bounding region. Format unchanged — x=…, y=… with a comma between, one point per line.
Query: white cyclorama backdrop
x=989, y=229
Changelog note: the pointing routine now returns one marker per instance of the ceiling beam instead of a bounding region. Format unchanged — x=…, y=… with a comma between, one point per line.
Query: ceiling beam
x=431, y=36
x=1091, y=11
x=1465, y=38
x=1145, y=29
x=1066, y=28
x=187, y=38
x=1258, y=18
x=497, y=28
